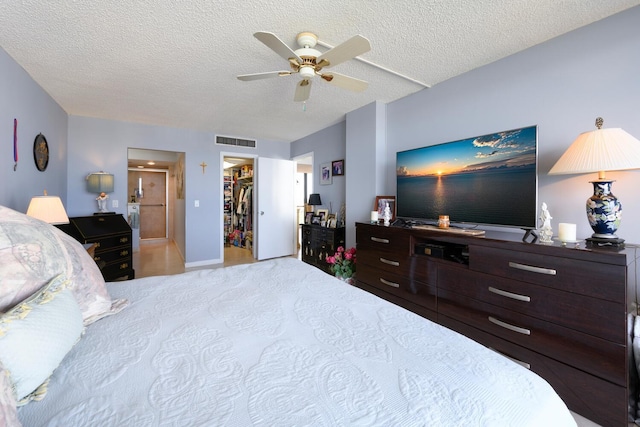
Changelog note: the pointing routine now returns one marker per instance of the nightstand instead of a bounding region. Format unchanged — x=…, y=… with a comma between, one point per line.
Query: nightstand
x=319, y=242
x=111, y=236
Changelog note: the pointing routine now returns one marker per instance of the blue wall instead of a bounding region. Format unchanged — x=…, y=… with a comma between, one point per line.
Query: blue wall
x=36, y=112
x=96, y=144
x=561, y=85
x=326, y=145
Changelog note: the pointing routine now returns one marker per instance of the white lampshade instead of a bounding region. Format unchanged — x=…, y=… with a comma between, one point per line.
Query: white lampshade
x=599, y=150
x=48, y=209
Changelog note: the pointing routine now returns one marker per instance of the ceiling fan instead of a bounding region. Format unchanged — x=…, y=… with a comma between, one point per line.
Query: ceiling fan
x=309, y=62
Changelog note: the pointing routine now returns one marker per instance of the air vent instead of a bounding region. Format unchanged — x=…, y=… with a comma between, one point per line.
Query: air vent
x=238, y=142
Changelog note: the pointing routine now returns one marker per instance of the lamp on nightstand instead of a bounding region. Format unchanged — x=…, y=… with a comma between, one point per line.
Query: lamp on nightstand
x=314, y=200
x=601, y=150
x=100, y=183
x=48, y=209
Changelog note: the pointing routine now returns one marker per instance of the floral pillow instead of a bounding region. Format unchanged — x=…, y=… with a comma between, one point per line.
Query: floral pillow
x=36, y=335
x=32, y=252
x=8, y=413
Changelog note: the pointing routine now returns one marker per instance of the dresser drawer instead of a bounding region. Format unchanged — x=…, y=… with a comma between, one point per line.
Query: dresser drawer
x=591, y=354
x=112, y=254
x=600, y=318
x=380, y=238
x=401, y=286
x=579, y=390
x=388, y=261
x=107, y=243
x=599, y=280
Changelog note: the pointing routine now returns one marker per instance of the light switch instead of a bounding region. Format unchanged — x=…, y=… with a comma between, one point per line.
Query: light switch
x=196, y=203
x=114, y=203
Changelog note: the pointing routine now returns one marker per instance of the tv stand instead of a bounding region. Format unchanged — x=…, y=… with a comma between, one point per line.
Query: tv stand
x=564, y=312
x=450, y=230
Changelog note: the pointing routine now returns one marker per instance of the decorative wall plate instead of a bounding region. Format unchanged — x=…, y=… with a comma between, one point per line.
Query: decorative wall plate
x=41, y=152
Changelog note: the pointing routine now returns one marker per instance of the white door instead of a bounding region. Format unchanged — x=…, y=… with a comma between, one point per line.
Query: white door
x=274, y=224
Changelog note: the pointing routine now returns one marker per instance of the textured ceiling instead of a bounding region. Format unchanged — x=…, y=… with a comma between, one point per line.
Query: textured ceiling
x=174, y=63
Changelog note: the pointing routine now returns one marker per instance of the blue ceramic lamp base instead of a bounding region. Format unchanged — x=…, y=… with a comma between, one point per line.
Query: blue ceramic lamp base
x=604, y=212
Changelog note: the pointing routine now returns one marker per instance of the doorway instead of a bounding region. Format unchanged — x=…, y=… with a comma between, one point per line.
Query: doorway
x=149, y=188
x=238, y=202
x=162, y=174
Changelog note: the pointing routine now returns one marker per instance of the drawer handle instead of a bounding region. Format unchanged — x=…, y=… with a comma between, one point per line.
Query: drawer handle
x=519, y=362
x=508, y=326
x=532, y=269
x=388, y=283
x=386, y=261
x=509, y=294
x=379, y=240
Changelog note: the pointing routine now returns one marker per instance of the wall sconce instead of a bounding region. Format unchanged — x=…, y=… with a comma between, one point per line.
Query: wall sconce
x=601, y=150
x=101, y=183
x=48, y=209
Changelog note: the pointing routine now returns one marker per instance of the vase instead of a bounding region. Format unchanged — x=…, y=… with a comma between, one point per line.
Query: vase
x=348, y=280
x=603, y=210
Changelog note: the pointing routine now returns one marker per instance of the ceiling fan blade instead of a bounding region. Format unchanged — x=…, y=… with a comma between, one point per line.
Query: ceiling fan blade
x=260, y=76
x=345, y=82
x=278, y=46
x=356, y=45
x=303, y=89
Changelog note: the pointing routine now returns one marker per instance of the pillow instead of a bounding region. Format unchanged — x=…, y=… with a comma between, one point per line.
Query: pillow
x=36, y=335
x=32, y=252
x=8, y=413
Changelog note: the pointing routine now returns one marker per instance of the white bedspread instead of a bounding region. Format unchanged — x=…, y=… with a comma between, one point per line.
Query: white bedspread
x=280, y=343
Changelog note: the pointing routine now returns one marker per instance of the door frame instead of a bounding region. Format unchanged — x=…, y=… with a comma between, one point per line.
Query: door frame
x=236, y=155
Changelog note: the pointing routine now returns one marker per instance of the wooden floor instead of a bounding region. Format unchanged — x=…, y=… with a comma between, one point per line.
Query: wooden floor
x=161, y=257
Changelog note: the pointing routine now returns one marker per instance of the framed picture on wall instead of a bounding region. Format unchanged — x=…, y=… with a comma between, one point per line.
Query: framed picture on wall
x=325, y=173
x=337, y=168
x=381, y=202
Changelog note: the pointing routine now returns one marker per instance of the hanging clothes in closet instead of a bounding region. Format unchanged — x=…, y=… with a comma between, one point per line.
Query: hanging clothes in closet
x=244, y=208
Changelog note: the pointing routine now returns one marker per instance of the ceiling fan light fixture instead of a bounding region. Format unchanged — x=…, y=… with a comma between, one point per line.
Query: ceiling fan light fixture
x=307, y=72
x=307, y=62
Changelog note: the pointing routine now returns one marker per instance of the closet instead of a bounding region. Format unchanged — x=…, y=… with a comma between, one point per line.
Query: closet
x=238, y=205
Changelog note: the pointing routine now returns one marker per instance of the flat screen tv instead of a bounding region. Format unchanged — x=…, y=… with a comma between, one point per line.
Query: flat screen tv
x=490, y=179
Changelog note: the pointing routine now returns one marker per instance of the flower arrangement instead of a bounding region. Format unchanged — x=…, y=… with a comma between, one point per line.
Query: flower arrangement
x=343, y=262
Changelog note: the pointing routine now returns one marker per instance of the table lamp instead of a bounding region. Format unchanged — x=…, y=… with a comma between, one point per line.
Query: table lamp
x=48, y=209
x=599, y=151
x=314, y=199
x=100, y=183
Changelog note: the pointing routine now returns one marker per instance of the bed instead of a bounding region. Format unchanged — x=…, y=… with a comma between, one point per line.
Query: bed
x=276, y=342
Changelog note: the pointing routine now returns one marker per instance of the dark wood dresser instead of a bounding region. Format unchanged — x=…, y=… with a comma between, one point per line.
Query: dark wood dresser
x=318, y=242
x=565, y=313
x=111, y=235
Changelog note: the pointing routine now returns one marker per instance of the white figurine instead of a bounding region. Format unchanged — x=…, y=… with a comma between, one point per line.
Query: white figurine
x=386, y=214
x=102, y=202
x=546, y=232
